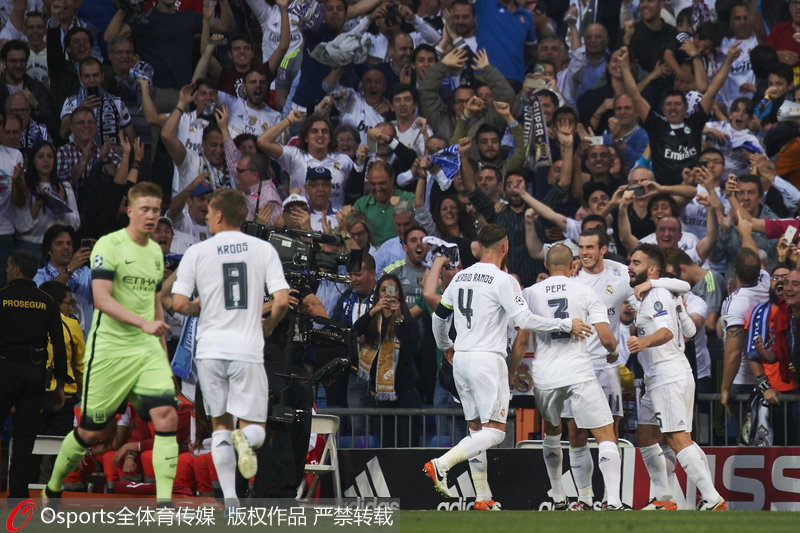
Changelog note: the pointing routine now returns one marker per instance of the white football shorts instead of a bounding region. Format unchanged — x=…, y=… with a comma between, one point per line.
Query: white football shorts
x=587, y=404
x=234, y=387
x=482, y=384
x=669, y=406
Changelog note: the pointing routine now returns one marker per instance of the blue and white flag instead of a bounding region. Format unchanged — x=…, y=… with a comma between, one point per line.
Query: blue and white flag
x=448, y=159
x=183, y=359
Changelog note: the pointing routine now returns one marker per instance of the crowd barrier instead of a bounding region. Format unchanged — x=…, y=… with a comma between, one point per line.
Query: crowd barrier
x=748, y=478
x=443, y=427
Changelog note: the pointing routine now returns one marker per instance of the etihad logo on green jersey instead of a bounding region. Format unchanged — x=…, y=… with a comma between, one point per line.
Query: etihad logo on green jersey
x=140, y=283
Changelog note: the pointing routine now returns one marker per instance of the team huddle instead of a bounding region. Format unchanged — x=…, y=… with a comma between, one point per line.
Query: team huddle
x=571, y=323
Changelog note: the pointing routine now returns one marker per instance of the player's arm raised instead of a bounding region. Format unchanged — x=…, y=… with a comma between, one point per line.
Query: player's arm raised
x=103, y=301
x=441, y=327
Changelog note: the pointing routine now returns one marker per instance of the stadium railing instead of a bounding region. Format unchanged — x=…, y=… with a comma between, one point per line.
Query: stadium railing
x=443, y=427
x=391, y=428
x=713, y=425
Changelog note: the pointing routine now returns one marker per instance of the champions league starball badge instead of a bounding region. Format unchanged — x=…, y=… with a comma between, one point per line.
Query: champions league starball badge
x=658, y=307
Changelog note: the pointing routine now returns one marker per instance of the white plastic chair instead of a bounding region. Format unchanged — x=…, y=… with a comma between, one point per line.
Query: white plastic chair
x=43, y=445
x=327, y=426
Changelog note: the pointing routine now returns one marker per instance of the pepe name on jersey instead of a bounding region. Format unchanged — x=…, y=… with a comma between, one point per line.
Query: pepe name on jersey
x=551, y=289
x=470, y=277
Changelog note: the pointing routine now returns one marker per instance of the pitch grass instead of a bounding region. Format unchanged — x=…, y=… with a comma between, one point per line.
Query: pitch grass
x=596, y=522
x=512, y=522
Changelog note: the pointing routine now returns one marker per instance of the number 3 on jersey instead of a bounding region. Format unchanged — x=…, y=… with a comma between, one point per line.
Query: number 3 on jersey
x=465, y=308
x=561, y=305
x=234, y=281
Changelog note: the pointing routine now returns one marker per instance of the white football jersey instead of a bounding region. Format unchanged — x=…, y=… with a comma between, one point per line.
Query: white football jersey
x=484, y=300
x=269, y=17
x=245, y=119
x=561, y=359
x=666, y=363
x=297, y=162
x=696, y=305
x=613, y=287
x=230, y=272
x=736, y=311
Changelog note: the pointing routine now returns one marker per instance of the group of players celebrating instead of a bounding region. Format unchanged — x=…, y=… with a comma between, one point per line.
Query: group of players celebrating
x=570, y=322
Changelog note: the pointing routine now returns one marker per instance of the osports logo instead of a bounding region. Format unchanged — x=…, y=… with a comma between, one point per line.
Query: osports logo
x=24, y=507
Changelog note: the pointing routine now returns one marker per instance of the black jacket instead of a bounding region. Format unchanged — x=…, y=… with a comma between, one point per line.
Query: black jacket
x=27, y=316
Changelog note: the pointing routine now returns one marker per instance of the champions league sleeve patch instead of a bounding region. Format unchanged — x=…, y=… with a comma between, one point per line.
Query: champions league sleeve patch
x=98, y=261
x=520, y=301
x=659, y=308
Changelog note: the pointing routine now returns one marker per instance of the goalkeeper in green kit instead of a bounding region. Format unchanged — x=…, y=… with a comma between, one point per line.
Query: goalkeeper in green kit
x=125, y=354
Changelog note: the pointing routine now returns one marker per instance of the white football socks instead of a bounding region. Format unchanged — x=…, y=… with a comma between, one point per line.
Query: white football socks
x=470, y=446
x=671, y=462
x=582, y=466
x=553, y=460
x=610, y=464
x=477, y=468
x=224, y=456
x=657, y=468
x=696, y=470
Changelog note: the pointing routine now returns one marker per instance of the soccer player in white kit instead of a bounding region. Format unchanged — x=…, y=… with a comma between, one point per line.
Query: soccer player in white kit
x=667, y=405
x=483, y=300
x=609, y=281
x=562, y=370
x=231, y=273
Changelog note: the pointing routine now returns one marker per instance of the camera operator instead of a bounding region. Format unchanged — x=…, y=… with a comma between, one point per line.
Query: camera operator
x=281, y=465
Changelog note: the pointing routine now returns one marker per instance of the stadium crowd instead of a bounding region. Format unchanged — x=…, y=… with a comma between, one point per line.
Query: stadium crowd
x=404, y=127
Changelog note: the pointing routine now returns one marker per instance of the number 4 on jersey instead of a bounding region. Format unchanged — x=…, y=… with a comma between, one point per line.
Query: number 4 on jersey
x=465, y=309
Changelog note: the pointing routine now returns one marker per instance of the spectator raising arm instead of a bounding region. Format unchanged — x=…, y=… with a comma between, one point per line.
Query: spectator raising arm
x=532, y=241
x=745, y=230
x=467, y=173
x=431, y=282
x=719, y=78
x=169, y=132
x=640, y=105
x=151, y=114
x=175, y=211
x=285, y=38
x=544, y=211
x=207, y=66
x=431, y=105
x=624, y=222
x=267, y=140
x=232, y=153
